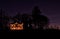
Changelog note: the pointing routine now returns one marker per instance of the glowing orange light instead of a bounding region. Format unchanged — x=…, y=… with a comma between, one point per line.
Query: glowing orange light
x=16, y=26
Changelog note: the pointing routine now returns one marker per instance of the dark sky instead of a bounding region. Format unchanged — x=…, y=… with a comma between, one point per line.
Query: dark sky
x=49, y=8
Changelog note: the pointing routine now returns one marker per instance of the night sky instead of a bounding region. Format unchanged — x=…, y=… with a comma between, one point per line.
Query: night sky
x=49, y=8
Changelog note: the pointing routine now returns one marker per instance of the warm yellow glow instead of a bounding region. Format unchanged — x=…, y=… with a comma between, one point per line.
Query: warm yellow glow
x=16, y=26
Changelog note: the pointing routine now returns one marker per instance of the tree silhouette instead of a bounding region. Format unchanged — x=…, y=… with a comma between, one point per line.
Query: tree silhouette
x=5, y=22
x=25, y=21
x=43, y=21
x=36, y=11
x=3, y=19
x=39, y=19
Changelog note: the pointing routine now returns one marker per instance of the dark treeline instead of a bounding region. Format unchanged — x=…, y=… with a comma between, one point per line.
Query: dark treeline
x=34, y=22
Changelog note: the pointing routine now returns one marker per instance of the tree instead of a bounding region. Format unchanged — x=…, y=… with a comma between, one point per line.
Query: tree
x=4, y=20
x=43, y=21
x=25, y=21
x=39, y=19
